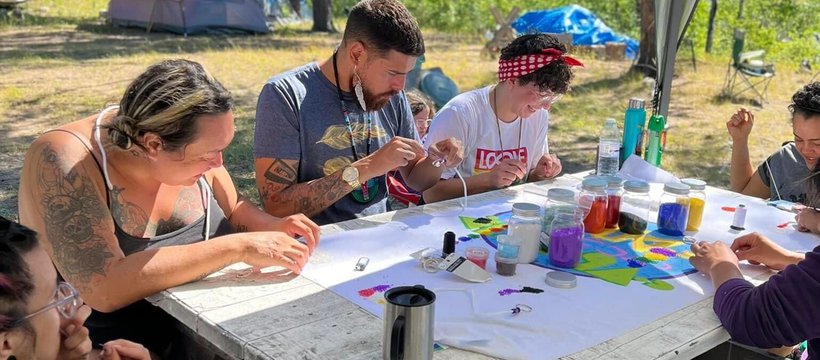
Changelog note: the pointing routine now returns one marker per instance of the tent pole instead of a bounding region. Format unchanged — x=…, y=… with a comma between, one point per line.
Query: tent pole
x=670, y=50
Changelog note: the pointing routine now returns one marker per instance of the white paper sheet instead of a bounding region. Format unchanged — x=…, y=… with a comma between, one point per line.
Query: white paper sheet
x=563, y=321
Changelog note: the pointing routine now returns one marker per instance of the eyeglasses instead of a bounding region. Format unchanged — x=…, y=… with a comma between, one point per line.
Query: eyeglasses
x=549, y=98
x=545, y=98
x=66, y=300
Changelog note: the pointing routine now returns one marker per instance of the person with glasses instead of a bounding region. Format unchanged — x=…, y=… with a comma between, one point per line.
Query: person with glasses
x=327, y=133
x=781, y=176
x=423, y=111
x=503, y=127
x=42, y=317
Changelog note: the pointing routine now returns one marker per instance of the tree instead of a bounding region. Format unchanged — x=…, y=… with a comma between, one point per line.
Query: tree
x=710, y=30
x=740, y=11
x=296, y=5
x=647, y=57
x=323, y=16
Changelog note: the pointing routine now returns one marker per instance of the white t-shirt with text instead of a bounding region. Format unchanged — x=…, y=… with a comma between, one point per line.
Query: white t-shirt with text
x=470, y=118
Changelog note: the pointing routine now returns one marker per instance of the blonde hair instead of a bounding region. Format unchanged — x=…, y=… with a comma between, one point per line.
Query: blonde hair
x=166, y=100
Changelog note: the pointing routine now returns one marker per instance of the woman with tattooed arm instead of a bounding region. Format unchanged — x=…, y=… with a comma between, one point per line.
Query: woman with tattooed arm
x=125, y=198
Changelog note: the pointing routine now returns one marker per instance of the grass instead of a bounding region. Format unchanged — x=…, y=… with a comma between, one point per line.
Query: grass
x=70, y=66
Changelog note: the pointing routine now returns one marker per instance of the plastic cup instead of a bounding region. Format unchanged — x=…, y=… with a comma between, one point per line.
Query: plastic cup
x=478, y=255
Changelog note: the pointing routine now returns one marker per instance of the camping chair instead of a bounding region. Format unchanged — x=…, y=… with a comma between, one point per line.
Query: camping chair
x=750, y=68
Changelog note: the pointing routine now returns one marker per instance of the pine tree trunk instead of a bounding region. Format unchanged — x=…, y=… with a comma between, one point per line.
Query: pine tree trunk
x=710, y=31
x=647, y=58
x=297, y=7
x=740, y=11
x=323, y=16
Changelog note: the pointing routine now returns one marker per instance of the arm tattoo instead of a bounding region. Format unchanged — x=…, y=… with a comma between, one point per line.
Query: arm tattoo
x=280, y=173
x=74, y=219
x=310, y=198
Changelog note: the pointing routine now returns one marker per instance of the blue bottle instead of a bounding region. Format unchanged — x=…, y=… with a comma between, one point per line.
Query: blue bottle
x=634, y=122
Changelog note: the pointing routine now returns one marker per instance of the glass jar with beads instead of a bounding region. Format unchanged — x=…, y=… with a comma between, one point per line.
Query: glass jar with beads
x=593, y=201
x=697, y=202
x=633, y=215
x=614, y=192
x=558, y=201
x=673, y=212
x=525, y=228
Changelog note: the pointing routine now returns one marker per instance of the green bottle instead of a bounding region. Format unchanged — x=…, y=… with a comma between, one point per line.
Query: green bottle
x=656, y=140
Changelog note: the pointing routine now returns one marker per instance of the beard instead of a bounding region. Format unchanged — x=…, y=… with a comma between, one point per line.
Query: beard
x=373, y=101
x=377, y=101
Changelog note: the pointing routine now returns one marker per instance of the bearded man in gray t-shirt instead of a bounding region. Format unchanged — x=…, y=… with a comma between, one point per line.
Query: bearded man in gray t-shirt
x=327, y=133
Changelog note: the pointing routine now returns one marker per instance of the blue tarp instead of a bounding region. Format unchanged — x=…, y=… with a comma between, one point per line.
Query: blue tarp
x=585, y=27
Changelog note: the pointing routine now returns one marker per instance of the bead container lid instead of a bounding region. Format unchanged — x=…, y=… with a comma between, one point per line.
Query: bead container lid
x=695, y=184
x=676, y=188
x=526, y=209
x=593, y=184
x=560, y=279
x=637, y=186
x=560, y=194
x=613, y=182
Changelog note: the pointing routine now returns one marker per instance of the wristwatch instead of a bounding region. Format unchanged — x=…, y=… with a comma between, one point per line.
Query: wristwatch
x=351, y=176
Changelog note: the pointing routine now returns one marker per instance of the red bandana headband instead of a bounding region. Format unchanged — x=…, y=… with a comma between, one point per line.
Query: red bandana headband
x=527, y=64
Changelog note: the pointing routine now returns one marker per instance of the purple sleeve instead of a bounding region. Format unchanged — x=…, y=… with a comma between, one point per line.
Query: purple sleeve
x=780, y=312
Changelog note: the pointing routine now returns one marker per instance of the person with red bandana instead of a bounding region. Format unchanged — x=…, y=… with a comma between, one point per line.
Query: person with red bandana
x=503, y=127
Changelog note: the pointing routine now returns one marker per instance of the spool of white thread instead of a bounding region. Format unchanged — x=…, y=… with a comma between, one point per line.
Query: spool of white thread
x=740, y=218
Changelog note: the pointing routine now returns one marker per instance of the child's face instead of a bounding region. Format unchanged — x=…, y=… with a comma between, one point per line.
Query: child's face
x=422, y=120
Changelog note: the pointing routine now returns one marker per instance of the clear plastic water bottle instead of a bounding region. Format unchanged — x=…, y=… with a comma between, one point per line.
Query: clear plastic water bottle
x=609, y=149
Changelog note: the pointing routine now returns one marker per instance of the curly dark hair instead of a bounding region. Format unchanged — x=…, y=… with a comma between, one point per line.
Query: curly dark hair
x=806, y=101
x=554, y=77
x=16, y=284
x=384, y=25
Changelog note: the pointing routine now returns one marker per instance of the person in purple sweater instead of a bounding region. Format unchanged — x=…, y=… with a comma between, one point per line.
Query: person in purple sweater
x=784, y=310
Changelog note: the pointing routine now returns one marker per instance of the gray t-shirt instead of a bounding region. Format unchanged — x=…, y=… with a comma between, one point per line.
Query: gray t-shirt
x=299, y=117
x=790, y=173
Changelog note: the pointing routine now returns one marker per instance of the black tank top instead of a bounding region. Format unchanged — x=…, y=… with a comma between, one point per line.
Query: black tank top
x=142, y=322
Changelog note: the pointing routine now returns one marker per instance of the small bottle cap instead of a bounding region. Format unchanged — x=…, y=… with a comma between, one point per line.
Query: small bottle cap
x=593, y=184
x=695, y=184
x=676, y=188
x=560, y=194
x=562, y=280
x=636, y=103
x=637, y=186
x=449, y=245
x=526, y=209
